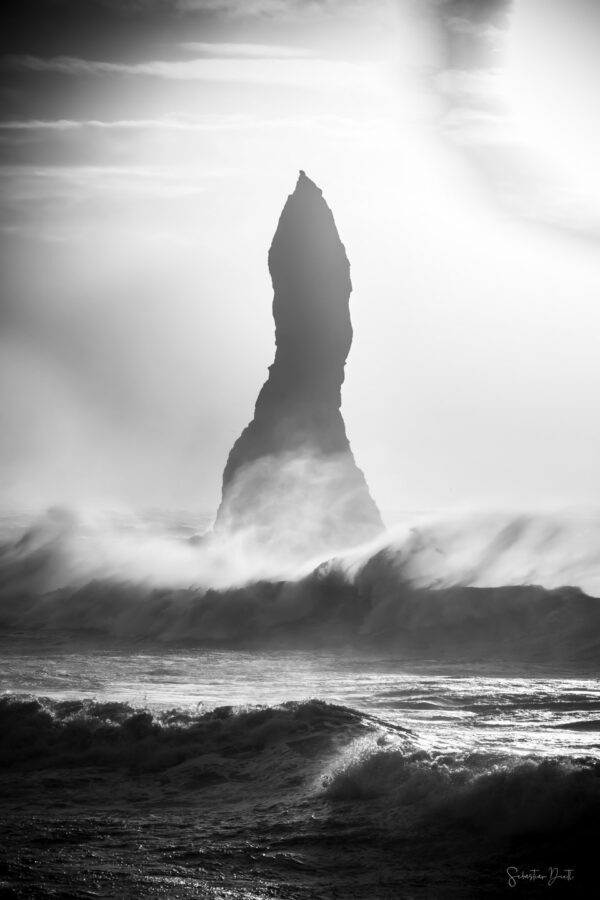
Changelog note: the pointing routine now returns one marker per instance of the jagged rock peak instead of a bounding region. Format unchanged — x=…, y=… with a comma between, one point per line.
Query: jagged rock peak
x=306, y=183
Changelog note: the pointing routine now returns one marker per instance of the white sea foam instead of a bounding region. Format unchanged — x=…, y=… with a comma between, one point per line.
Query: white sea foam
x=463, y=580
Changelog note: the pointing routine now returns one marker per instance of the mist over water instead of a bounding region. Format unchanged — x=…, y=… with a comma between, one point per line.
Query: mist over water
x=517, y=585
x=288, y=700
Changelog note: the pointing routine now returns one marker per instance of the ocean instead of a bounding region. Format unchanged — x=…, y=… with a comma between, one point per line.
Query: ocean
x=416, y=719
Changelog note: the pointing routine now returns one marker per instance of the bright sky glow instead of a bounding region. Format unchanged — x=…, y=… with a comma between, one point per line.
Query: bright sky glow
x=552, y=82
x=139, y=198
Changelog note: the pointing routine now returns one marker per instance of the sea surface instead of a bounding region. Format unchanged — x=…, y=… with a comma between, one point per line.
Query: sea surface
x=348, y=731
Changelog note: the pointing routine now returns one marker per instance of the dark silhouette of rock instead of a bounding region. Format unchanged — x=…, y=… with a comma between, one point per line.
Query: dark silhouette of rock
x=291, y=478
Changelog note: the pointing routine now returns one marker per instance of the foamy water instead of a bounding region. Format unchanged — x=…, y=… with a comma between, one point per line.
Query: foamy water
x=450, y=707
x=283, y=737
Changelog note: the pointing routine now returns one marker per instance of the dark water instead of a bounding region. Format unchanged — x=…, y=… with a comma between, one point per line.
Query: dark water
x=351, y=731
x=432, y=784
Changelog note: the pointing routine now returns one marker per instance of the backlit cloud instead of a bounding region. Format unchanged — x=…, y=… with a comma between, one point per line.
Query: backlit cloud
x=317, y=74
x=246, y=51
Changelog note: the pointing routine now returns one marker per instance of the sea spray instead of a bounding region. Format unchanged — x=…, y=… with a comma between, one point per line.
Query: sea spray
x=446, y=585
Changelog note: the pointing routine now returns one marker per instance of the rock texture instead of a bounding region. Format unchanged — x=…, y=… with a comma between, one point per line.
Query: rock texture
x=291, y=476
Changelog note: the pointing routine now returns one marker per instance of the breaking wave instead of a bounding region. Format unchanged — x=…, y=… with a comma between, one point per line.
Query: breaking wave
x=519, y=587
x=37, y=732
x=322, y=749
x=500, y=796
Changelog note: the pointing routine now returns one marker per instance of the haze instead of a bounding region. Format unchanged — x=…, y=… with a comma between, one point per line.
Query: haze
x=146, y=152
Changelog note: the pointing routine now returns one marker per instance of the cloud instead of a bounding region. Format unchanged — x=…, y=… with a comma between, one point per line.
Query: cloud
x=480, y=123
x=280, y=9
x=128, y=7
x=102, y=203
x=207, y=123
x=28, y=182
x=246, y=9
x=106, y=17
x=216, y=123
x=247, y=51
x=238, y=7
x=473, y=88
x=480, y=120
x=71, y=201
x=212, y=143
x=484, y=31
x=317, y=74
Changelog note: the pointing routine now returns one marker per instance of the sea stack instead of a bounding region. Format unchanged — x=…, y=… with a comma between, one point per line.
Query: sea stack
x=291, y=484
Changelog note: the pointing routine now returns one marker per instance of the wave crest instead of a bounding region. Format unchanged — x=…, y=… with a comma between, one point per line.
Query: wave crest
x=500, y=797
x=432, y=589
x=42, y=733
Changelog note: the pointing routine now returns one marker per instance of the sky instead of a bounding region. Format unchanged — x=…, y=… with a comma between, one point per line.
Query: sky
x=147, y=148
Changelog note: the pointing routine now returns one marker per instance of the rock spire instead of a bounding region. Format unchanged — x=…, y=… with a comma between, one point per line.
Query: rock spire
x=291, y=477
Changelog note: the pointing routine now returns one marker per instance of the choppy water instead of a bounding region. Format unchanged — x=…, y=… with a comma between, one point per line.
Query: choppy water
x=350, y=732
x=450, y=706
